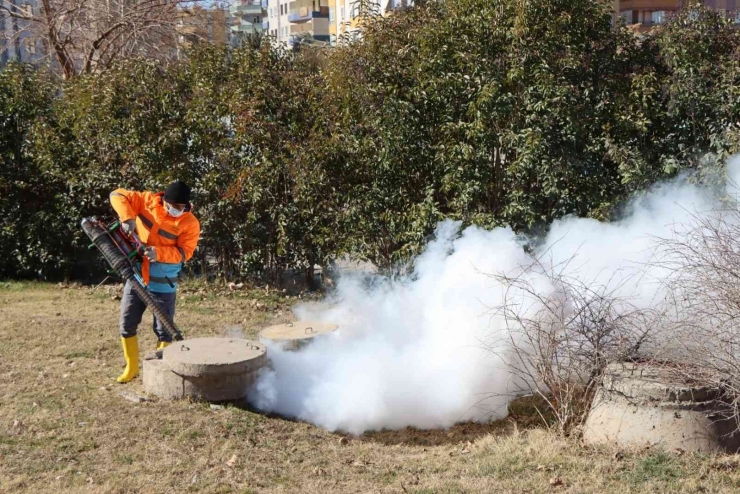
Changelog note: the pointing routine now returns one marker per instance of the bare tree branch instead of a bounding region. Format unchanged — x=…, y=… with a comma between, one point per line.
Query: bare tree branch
x=87, y=35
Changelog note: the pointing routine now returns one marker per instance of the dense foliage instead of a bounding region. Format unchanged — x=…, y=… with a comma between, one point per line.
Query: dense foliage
x=492, y=112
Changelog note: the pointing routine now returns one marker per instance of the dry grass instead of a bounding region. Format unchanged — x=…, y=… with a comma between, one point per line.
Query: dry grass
x=65, y=428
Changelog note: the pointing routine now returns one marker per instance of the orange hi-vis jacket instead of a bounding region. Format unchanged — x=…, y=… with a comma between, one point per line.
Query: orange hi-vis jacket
x=174, y=239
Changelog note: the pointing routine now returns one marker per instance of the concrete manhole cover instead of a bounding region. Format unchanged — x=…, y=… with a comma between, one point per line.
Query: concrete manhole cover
x=212, y=369
x=299, y=330
x=214, y=356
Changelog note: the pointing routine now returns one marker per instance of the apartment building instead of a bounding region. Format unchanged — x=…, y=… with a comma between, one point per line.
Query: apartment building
x=278, y=25
x=344, y=15
x=649, y=13
x=200, y=24
x=17, y=42
x=319, y=20
x=309, y=19
x=248, y=18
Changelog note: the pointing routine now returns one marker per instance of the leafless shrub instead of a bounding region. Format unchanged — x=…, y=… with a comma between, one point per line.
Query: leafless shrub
x=563, y=332
x=703, y=257
x=83, y=36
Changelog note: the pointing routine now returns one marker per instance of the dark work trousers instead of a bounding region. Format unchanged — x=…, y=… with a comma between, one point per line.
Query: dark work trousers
x=132, y=310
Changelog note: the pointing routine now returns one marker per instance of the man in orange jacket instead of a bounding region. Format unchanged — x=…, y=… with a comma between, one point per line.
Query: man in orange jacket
x=166, y=225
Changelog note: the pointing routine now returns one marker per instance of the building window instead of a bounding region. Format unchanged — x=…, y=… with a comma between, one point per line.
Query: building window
x=342, y=17
x=331, y=14
x=657, y=17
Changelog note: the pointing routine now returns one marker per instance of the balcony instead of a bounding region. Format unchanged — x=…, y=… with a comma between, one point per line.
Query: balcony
x=246, y=9
x=648, y=5
x=317, y=29
x=304, y=14
x=247, y=28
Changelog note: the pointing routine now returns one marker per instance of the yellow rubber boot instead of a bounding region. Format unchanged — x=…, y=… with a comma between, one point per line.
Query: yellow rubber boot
x=131, y=354
x=162, y=344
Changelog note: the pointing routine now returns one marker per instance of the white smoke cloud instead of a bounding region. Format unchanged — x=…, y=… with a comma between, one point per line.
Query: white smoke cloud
x=411, y=352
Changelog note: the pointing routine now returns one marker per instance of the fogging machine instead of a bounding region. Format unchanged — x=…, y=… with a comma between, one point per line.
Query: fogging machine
x=125, y=253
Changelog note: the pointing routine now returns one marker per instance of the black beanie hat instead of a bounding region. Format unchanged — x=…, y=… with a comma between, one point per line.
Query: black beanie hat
x=177, y=193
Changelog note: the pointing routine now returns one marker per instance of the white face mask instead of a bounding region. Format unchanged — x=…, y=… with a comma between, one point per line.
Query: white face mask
x=174, y=212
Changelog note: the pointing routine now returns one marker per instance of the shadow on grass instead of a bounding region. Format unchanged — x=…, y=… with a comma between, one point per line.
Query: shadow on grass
x=524, y=413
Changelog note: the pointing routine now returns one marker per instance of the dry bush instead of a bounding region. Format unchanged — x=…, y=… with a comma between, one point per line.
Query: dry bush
x=84, y=36
x=703, y=258
x=563, y=332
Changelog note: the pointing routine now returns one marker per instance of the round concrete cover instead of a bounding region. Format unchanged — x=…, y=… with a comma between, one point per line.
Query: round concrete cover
x=299, y=330
x=214, y=356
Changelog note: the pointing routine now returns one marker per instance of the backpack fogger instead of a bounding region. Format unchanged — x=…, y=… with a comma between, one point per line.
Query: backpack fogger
x=125, y=253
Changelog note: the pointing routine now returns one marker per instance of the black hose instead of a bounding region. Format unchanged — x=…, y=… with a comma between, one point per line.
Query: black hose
x=121, y=264
x=146, y=296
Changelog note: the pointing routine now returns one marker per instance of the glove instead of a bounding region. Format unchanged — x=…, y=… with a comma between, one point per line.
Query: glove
x=150, y=254
x=128, y=227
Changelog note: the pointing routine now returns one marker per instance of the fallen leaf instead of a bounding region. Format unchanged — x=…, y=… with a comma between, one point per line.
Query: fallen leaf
x=231, y=462
x=556, y=482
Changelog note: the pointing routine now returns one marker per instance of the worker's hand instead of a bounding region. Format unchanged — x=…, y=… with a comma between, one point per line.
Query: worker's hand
x=128, y=227
x=150, y=254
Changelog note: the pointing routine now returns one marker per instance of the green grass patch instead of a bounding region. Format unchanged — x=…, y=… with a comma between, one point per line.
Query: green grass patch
x=7, y=440
x=126, y=459
x=20, y=286
x=660, y=467
x=505, y=466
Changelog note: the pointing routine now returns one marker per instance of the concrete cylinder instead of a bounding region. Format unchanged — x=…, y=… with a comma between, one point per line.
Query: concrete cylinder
x=641, y=405
x=296, y=335
x=209, y=369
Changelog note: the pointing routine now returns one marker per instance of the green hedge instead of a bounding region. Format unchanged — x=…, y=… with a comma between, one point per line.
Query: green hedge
x=492, y=112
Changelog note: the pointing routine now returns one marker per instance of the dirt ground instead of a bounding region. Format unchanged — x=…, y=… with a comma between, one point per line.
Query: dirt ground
x=64, y=426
